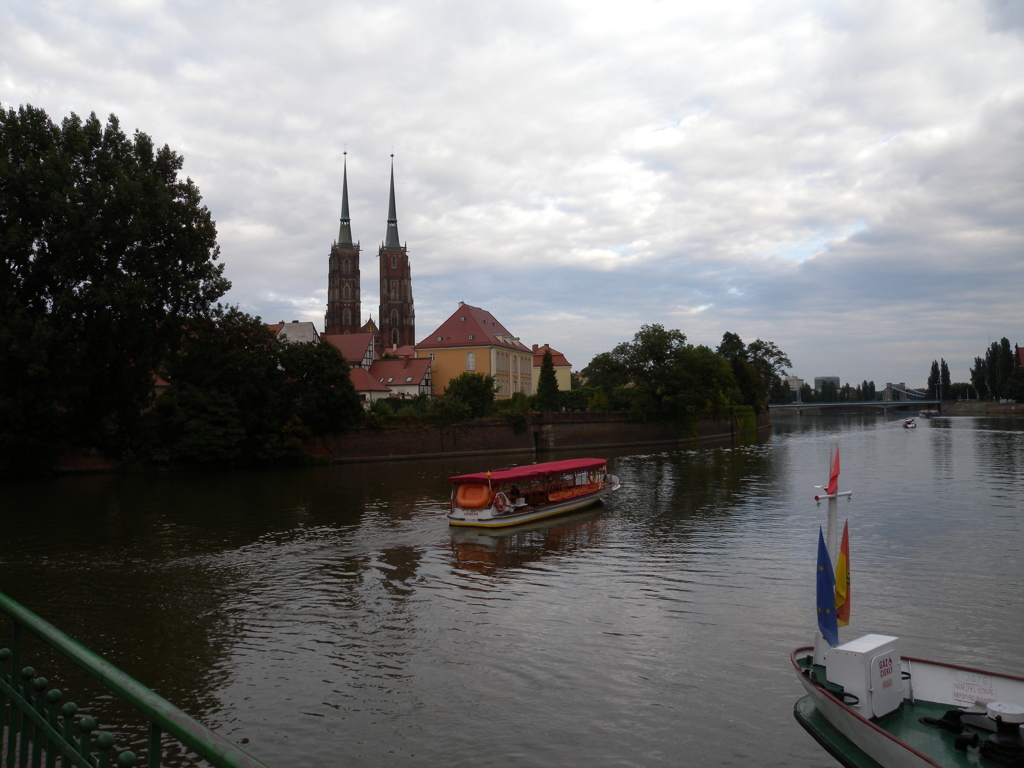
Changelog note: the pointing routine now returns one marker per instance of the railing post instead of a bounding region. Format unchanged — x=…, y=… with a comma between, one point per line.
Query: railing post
x=38, y=734
x=53, y=698
x=25, y=726
x=6, y=720
x=86, y=725
x=154, y=745
x=68, y=713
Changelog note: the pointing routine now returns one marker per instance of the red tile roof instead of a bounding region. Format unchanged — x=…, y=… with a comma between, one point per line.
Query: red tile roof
x=352, y=345
x=400, y=372
x=556, y=357
x=471, y=327
x=364, y=382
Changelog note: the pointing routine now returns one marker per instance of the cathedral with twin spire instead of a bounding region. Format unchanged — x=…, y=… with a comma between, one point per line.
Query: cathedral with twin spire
x=396, y=318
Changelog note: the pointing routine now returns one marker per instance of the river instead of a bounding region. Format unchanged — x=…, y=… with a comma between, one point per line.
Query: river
x=328, y=616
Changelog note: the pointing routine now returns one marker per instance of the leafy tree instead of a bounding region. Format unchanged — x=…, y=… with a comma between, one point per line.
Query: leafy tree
x=228, y=363
x=473, y=390
x=770, y=361
x=750, y=383
x=1014, y=388
x=933, y=381
x=607, y=371
x=104, y=253
x=732, y=347
x=946, y=388
x=867, y=391
x=318, y=388
x=979, y=377
x=829, y=392
x=547, y=398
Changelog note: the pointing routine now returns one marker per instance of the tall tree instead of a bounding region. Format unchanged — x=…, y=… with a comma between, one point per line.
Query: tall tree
x=771, y=362
x=979, y=377
x=933, y=380
x=732, y=347
x=547, y=385
x=946, y=384
x=104, y=253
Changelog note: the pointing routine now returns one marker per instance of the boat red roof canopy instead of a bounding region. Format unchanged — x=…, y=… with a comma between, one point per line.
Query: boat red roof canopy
x=530, y=471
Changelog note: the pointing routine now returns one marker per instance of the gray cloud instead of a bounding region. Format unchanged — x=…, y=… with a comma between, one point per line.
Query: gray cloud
x=843, y=179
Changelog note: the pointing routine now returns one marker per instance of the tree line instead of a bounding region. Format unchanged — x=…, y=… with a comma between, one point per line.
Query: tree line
x=109, y=276
x=110, y=284
x=997, y=375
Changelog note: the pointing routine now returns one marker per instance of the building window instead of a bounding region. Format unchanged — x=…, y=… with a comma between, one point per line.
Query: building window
x=346, y=317
x=346, y=292
x=394, y=337
x=394, y=317
x=394, y=262
x=432, y=357
x=346, y=266
x=470, y=361
x=471, y=337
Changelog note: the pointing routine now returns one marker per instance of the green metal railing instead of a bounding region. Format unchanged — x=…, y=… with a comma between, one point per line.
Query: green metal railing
x=38, y=729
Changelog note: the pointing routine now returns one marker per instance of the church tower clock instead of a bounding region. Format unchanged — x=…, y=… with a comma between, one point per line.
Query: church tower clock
x=343, y=303
x=397, y=316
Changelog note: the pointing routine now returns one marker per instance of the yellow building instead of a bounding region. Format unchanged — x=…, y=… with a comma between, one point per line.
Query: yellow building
x=563, y=370
x=472, y=340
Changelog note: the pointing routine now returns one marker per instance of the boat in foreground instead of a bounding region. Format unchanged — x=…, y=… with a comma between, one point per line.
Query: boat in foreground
x=868, y=705
x=514, y=495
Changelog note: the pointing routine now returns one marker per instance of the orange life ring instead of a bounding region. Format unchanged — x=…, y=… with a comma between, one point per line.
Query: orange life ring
x=501, y=502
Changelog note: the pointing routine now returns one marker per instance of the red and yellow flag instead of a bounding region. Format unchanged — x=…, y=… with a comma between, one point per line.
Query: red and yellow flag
x=843, y=576
x=833, y=478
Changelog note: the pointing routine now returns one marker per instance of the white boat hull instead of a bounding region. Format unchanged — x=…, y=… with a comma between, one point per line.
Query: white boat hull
x=490, y=517
x=948, y=685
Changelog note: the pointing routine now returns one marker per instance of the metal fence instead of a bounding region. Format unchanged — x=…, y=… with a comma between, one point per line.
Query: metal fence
x=39, y=727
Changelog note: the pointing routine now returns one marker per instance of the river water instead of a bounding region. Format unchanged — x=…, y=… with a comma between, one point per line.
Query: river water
x=329, y=616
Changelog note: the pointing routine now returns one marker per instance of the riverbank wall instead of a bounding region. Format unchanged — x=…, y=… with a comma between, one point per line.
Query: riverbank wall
x=975, y=408
x=546, y=433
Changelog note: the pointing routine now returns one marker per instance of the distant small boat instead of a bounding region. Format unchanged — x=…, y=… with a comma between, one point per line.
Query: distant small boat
x=869, y=706
x=514, y=495
x=928, y=413
x=909, y=424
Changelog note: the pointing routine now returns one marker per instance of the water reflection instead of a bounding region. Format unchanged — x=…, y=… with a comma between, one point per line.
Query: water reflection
x=488, y=552
x=331, y=616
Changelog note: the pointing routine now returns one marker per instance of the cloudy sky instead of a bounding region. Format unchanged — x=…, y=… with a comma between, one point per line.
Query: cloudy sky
x=843, y=178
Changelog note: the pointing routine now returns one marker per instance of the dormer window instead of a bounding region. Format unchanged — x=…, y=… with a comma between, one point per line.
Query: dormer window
x=462, y=319
x=438, y=338
x=471, y=337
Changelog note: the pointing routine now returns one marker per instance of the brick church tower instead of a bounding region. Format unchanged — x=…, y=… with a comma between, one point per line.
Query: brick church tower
x=343, y=305
x=397, y=317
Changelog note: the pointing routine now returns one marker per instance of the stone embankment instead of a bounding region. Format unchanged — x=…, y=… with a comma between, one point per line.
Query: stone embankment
x=976, y=408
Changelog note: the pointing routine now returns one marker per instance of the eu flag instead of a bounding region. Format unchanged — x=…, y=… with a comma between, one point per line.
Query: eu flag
x=826, y=595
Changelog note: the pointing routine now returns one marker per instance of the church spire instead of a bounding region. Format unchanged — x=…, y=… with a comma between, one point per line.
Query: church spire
x=392, y=240
x=345, y=232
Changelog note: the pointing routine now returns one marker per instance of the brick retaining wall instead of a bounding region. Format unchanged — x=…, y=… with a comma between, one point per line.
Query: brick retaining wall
x=552, y=433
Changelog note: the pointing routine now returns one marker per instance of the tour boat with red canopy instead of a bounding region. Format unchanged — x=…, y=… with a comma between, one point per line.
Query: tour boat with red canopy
x=515, y=495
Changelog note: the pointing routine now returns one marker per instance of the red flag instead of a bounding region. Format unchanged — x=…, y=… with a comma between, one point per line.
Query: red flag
x=833, y=479
x=843, y=576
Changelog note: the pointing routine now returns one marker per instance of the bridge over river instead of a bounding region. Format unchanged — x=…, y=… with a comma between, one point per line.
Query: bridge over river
x=885, y=406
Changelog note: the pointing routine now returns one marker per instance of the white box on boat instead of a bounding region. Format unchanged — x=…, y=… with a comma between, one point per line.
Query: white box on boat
x=869, y=668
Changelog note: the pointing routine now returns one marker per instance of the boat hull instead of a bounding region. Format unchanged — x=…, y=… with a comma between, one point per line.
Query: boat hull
x=899, y=739
x=489, y=517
